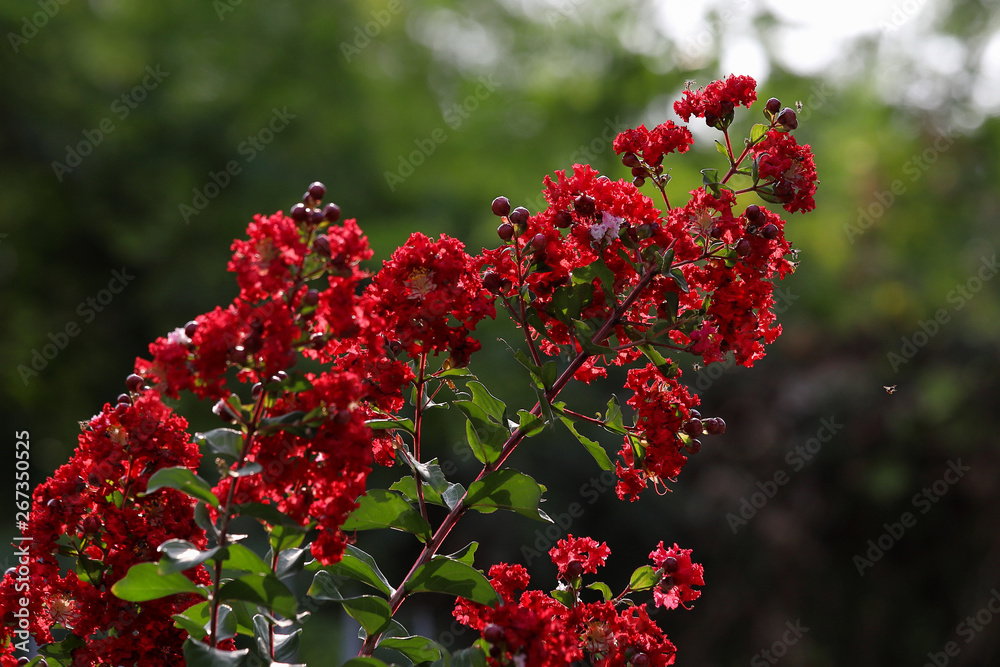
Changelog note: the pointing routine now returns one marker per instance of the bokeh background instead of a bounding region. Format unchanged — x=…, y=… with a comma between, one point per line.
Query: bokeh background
x=115, y=116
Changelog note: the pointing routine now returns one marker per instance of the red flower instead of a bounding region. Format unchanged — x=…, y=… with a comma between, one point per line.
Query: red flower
x=653, y=450
x=679, y=575
x=266, y=263
x=421, y=288
x=716, y=101
x=587, y=553
x=653, y=145
x=789, y=168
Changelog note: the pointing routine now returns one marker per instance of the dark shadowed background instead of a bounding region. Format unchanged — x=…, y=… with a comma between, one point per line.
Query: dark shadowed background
x=138, y=139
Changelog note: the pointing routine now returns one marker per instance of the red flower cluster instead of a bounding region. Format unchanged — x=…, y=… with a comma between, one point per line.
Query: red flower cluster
x=653, y=145
x=265, y=263
x=789, y=167
x=93, y=510
x=734, y=299
x=654, y=450
x=578, y=555
x=315, y=473
x=716, y=101
x=536, y=630
x=610, y=223
x=680, y=574
x=422, y=286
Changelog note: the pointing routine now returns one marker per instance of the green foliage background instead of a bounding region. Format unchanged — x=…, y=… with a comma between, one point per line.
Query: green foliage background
x=562, y=75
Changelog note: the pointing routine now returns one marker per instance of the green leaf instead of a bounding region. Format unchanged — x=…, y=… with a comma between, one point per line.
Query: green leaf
x=385, y=424
x=380, y=508
x=755, y=170
x=722, y=149
x=466, y=554
x=143, y=582
x=563, y=596
x=325, y=587
x=454, y=372
x=508, y=490
x=486, y=437
x=199, y=654
x=593, y=448
x=268, y=513
x=261, y=589
x=225, y=443
x=431, y=474
x=291, y=422
x=62, y=651
x=445, y=575
x=180, y=555
x=602, y=588
x=371, y=612
x=585, y=332
x=643, y=578
x=416, y=648
x=185, y=481
x=678, y=277
x=530, y=424
x=613, y=418
x=667, y=368
x=364, y=662
x=468, y=657
x=358, y=565
x=239, y=557
x=490, y=404
x=569, y=301
x=204, y=520
x=757, y=132
x=226, y=625
x=194, y=619
x=283, y=537
x=449, y=498
x=587, y=274
x=290, y=561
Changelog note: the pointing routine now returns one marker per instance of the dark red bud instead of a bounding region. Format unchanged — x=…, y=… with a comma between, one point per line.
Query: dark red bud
x=493, y=633
x=640, y=660
x=342, y=417
x=505, y=231
x=501, y=206
x=695, y=414
x=331, y=212
x=630, y=160
x=743, y=247
x=134, y=382
x=519, y=216
x=562, y=219
x=574, y=569
x=492, y=282
x=753, y=213
x=91, y=525
x=190, y=328
x=670, y=565
x=321, y=244
x=693, y=427
x=311, y=297
x=638, y=181
x=124, y=399
x=773, y=105
x=317, y=190
x=299, y=212
x=538, y=242
x=769, y=231
x=584, y=205
x=715, y=426
x=788, y=119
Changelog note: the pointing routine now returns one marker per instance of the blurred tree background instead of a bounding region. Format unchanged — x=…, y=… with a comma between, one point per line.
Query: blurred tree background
x=119, y=122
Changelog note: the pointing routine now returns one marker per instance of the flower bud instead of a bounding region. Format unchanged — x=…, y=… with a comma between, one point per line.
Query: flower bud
x=630, y=160
x=787, y=118
x=584, y=205
x=669, y=564
x=640, y=660
x=538, y=242
x=519, y=216
x=134, y=382
x=693, y=427
x=317, y=190
x=190, y=328
x=493, y=633
x=331, y=212
x=562, y=219
x=753, y=213
x=342, y=417
x=769, y=231
x=501, y=206
x=743, y=247
x=124, y=399
x=311, y=297
x=321, y=244
x=299, y=212
x=638, y=181
x=773, y=105
x=493, y=282
x=505, y=231
x=715, y=426
x=574, y=569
